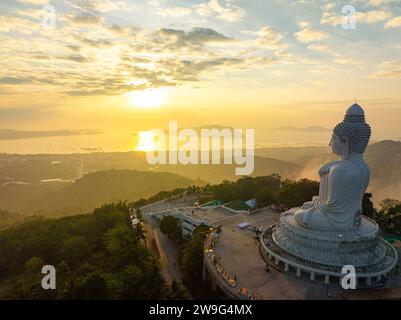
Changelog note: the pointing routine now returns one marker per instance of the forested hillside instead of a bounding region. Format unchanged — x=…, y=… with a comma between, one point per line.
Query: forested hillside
x=97, y=256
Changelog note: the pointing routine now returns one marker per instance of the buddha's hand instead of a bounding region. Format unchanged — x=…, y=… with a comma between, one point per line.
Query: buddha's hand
x=307, y=205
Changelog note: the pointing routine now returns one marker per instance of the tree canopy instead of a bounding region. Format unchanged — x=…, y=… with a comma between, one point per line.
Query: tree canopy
x=97, y=256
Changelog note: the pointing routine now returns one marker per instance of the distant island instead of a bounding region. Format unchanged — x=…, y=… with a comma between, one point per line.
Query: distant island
x=9, y=134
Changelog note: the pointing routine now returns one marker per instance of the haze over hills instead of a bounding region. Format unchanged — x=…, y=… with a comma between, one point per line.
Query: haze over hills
x=305, y=129
x=70, y=184
x=8, y=218
x=34, y=168
x=383, y=158
x=76, y=183
x=55, y=198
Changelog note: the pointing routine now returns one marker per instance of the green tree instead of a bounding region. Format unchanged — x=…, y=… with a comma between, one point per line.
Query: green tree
x=124, y=246
x=93, y=287
x=74, y=250
x=91, y=253
x=34, y=265
x=191, y=260
x=28, y=285
x=176, y=291
x=295, y=193
x=265, y=197
x=367, y=206
x=170, y=226
x=389, y=216
x=225, y=191
x=65, y=281
x=390, y=207
x=144, y=282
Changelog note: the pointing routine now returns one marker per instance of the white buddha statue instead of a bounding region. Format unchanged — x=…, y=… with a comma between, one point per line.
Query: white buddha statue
x=330, y=232
x=342, y=183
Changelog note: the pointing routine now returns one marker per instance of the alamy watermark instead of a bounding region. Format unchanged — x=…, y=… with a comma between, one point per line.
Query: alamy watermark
x=49, y=280
x=349, y=17
x=349, y=279
x=49, y=18
x=187, y=146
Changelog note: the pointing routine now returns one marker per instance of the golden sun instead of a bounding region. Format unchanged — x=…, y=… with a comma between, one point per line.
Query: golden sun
x=148, y=98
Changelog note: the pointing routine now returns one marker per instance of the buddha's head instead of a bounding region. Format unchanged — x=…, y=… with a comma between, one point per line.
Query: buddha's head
x=353, y=134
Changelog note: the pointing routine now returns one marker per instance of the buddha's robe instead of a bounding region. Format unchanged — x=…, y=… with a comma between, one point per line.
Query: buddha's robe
x=339, y=204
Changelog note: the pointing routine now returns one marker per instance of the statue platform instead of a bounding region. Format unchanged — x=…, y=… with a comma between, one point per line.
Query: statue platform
x=322, y=254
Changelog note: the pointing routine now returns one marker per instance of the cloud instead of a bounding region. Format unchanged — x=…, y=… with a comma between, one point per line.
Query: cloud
x=307, y=34
x=180, y=56
x=388, y=70
x=372, y=16
x=331, y=18
x=87, y=56
x=269, y=38
x=155, y=58
x=367, y=17
x=169, y=12
x=329, y=6
x=387, y=74
x=15, y=24
x=34, y=2
x=97, y=43
x=86, y=19
x=14, y=80
x=393, y=23
x=100, y=6
x=348, y=61
x=318, y=47
x=377, y=3
x=197, y=36
x=189, y=70
x=76, y=58
x=390, y=64
x=173, y=12
x=226, y=12
x=303, y=24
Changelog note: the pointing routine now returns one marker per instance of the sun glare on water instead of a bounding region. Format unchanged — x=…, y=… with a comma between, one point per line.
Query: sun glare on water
x=146, y=141
x=148, y=98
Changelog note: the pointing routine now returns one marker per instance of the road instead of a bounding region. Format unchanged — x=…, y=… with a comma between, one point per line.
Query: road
x=167, y=251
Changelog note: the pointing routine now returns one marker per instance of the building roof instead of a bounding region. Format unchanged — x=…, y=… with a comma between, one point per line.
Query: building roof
x=237, y=205
x=210, y=214
x=213, y=203
x=251, y=203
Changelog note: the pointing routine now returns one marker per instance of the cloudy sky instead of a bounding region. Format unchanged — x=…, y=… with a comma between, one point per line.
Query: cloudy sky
x=133, y=65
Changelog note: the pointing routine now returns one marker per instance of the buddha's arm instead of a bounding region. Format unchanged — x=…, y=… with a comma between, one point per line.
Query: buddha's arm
x=339, y=187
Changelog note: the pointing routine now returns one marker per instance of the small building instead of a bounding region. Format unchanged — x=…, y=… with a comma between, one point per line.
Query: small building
x=238, y=206
x=189, y=222
x=192, y=217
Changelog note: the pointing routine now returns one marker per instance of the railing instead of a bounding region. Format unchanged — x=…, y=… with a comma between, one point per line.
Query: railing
x=214, y=261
